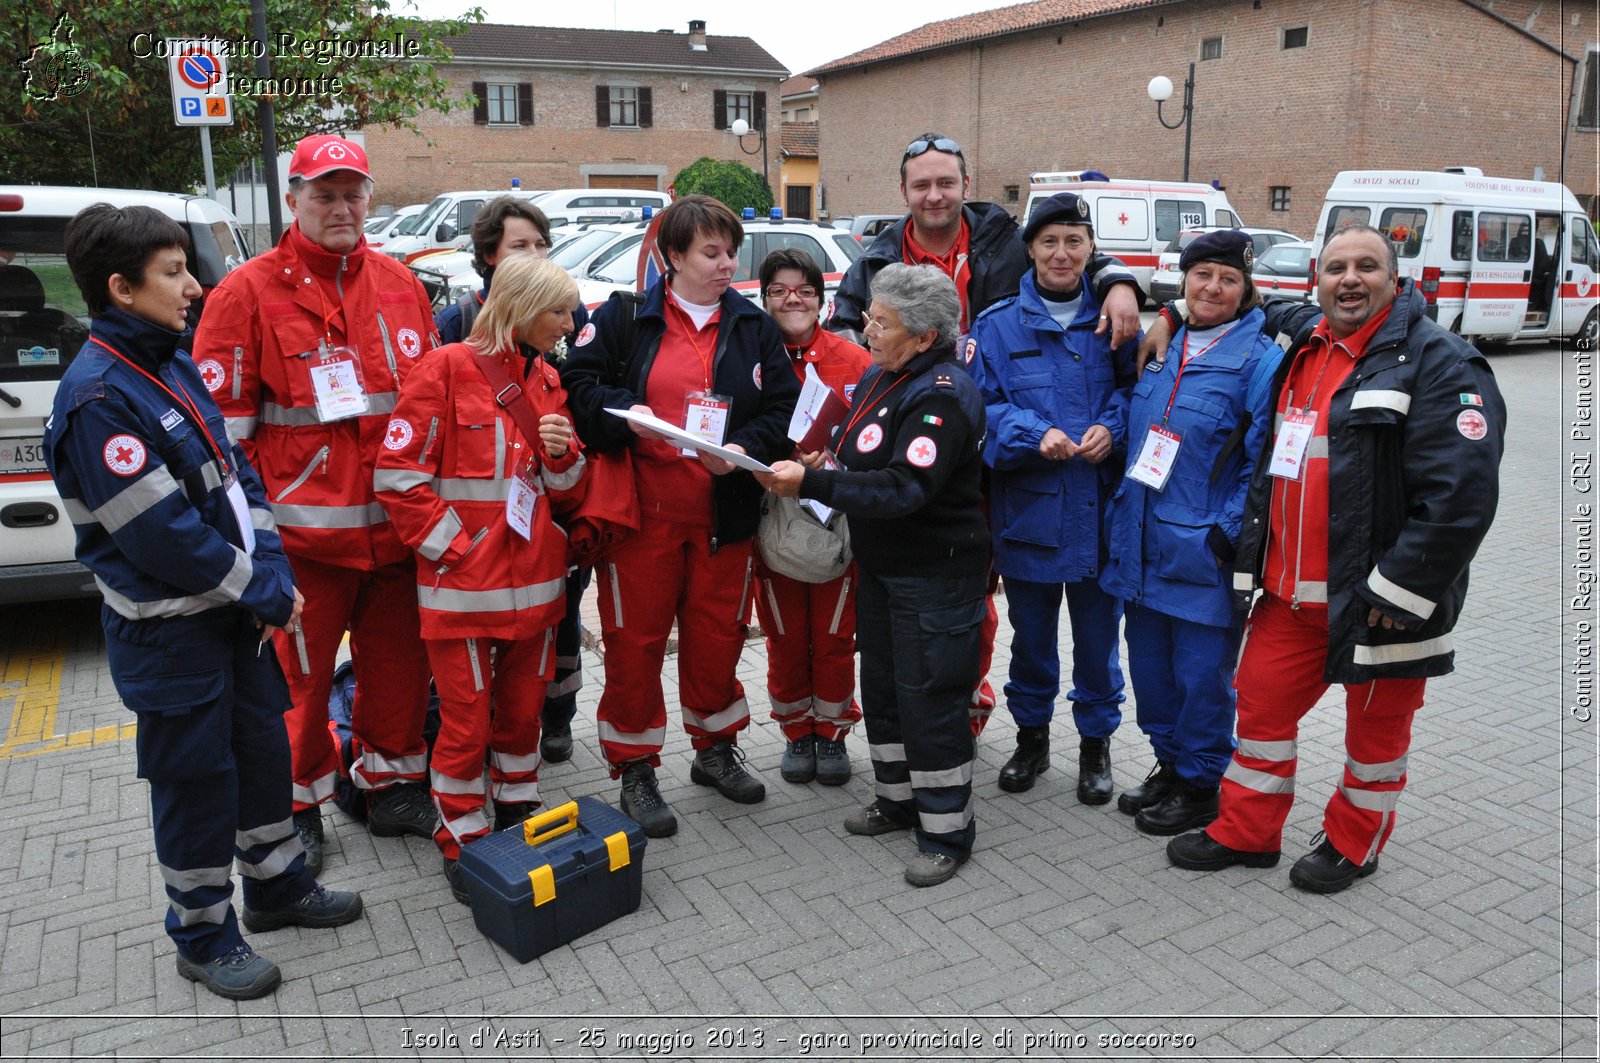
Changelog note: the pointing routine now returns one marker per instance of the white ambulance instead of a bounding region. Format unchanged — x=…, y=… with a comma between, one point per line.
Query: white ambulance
x=1498, y=258
x=1136, y=220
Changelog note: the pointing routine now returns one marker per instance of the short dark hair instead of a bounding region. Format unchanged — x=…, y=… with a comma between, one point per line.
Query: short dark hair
x=490, y=225
x=693, y=214
x=102, y=241
x=790, y=258
x=930, y=138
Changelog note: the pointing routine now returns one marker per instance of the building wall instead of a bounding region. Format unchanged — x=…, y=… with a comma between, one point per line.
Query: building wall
x=1424, y=84
x=798, y=171
x=564, y=147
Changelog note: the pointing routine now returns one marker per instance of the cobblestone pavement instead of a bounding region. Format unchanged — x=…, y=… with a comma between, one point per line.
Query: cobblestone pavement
x=767, y=933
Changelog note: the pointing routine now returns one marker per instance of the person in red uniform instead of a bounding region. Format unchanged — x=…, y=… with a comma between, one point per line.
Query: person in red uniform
x=1362, y=516
x=468, y=488
x=304, y=349
x=698, y=355
x=810, y=627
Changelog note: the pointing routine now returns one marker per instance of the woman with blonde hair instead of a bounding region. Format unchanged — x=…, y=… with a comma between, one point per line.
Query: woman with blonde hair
x=479, y=439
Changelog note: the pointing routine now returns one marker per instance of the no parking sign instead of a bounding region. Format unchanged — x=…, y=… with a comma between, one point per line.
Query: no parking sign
x=198, y=70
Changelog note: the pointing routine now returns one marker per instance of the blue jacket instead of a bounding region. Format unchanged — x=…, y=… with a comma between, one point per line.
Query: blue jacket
x=147, y=495
x=1170, y=549
x=1045, y=516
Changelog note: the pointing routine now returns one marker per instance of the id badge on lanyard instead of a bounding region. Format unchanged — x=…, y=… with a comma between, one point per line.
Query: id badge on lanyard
x=338, y=384
x=1155, y=461
x=1289, y=449
x=705, y=417
x=522, y=502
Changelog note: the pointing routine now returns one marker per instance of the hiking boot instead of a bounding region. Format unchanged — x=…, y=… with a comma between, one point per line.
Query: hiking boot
x=872, y=820
x=722, y=766
x=1031, y=760
x=1198, y=852
x=238, y=974
x=642, y=802
x=308, y=825
x=405, y=808
x=1153, y=789
x=508, y=814
x=1094, y=771
x=318, y=909
x=833, y=762
x=555, y=743
x=799, y=762
x=1326, y=870
x=453, y=876
x=930, y=869
x=1185, y=808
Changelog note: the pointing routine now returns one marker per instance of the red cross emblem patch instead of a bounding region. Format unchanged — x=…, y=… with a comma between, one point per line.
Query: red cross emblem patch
x=398, y=434
x=410, y=342
x=922, y=452
x=869, y=439
x=124, y=455
x=212, y=374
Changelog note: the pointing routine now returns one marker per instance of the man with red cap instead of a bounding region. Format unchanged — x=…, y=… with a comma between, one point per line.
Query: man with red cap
x=304, y=349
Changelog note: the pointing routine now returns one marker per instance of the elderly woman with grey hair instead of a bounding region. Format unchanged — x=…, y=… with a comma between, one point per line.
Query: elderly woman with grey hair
x=910, y=451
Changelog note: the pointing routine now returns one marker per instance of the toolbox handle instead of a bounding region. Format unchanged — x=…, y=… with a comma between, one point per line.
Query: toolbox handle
x=559, y=820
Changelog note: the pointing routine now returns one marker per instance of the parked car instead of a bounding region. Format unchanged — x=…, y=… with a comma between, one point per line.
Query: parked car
x=1285, y=269
x=866, y=227
x=400, y=223
x=1167, y=282
x=43, y=323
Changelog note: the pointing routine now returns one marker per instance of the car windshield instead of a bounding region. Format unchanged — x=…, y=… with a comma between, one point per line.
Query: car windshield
x=434, y=212
x=572, y=253
x=1286, y=259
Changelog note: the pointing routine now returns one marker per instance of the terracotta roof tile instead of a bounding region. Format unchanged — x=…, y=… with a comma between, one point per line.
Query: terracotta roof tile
x=800, y=83
x=612, y=48
x=800, y=139
x=981, y=25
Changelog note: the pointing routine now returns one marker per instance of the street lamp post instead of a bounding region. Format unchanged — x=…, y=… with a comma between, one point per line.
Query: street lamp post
x=1160, y=90
x=741, y=129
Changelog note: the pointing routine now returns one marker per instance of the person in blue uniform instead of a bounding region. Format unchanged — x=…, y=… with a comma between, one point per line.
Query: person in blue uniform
x=1196, y=424
x=1057, y=399
x=911, y=488
x=172, y=522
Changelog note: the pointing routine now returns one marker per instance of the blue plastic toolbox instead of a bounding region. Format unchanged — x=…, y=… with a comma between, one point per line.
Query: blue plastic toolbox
x=563, y=873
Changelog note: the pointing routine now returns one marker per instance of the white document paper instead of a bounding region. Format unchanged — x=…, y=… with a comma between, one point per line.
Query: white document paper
x=689, y=442
x=812, y=395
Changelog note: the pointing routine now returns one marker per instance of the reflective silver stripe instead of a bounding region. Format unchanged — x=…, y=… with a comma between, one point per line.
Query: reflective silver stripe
x=318, y=792
x=135, y=499
x=1388, y=771
x=772, y=607
x=744, y=595
x=959, y=776
x=570, y=685
x=468, y=826
x=833, y=710
x=477, y=668
x=373, y=763
x=267, y=832
x=1371, y=800
x=215, y=913
x=499, y=449
x=790, y=710
x=517, y=791
x=210, y=476
x=1317, y=448
x=946, y=822
x=650, y=736
x=561, y=481
x=1378, y=399
x=1244, y=581
x=274, y=863
x=564, y=661
x=427, y=444
x=398, y=480
x=894, y=791
x=237, y=581
x=887, y=752
x=514, y=765
x=1404, y=651
x=305, y=474
x=77, y=512
x=1256, y=749
x=441, y=536
x=449, y=784
x=501, y=599
x=1283, y=340
x=238, y=371
x=729, y=717
x=1410, y=601
x=240, y=427
x=1259, y=781
x=838, y=610
x=463, y=489
x=288, y=416
x=186, y=606
x=261, y=520
x=1311, y=592
x=186, y=879
x=544, y=654
x=365, y=516
x=616, y=595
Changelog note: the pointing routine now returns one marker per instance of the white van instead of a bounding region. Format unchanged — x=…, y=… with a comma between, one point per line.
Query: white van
x=446, y=223
x=1136, y=220
x=1499, y=258
x=620, y=203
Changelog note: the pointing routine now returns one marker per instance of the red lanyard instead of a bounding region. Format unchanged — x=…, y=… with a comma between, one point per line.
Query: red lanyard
x=181, y=398
x=866, y=404
x=1184, y=364
x=705, y=363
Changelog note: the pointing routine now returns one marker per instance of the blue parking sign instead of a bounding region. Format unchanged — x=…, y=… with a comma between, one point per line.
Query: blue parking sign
x=189, y=106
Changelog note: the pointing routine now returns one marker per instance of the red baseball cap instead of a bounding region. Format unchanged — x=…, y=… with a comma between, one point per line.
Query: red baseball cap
x=319, y=155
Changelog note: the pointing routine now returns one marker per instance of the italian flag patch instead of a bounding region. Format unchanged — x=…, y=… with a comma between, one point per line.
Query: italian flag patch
x=1468, y=399
x=929, y=418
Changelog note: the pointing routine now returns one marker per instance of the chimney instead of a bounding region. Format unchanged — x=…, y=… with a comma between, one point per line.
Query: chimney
x=697, y=35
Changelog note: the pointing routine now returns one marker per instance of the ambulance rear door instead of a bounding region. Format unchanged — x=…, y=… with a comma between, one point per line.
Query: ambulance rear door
x=1502, y=269
x=1580, y=274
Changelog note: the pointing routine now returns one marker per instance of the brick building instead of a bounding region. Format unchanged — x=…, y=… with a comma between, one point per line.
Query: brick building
x=799, y=173
x=579, y=108
x=1287, y=93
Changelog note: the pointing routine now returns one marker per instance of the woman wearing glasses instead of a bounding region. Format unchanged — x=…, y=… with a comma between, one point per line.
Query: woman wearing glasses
x=910, y=486
x=810, y=627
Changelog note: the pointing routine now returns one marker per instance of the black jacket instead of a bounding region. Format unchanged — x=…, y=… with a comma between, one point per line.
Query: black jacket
x=750, y=367
x=1415, y=435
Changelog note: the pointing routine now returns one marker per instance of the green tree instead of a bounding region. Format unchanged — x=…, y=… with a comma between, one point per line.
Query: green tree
x=733, y=183
x=85, y=103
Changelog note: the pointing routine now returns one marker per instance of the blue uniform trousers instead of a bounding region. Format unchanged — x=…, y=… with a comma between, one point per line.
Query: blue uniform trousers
x=919, y=638
x=218, y=770
x=1096, y=694
x=1183, y=690
x=561, y=698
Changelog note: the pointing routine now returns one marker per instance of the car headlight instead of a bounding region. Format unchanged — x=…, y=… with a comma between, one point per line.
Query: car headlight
x=398, y=256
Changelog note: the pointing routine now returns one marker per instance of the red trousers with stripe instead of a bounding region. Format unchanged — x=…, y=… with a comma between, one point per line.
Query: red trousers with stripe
x=379, y=609
x=668, y=572
x=1279, y=680
x=811, y=653
x=491, y=692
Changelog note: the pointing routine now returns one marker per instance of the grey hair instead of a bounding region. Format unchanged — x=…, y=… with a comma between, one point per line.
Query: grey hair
x=924, y=297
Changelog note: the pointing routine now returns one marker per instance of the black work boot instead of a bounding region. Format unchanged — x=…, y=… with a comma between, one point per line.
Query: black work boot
x=555, y=742
x=404, y=808
x=722, y=766
x=1094, y=771
x=642, y=802
x=1156, y=785
x=1326, y=870
x=1186, y=807
x=1031, y=760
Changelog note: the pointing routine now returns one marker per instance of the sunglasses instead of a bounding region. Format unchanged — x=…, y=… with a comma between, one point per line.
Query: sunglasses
x=944, y=144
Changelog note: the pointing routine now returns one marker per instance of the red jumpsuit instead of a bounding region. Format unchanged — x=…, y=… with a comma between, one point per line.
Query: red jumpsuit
x=490, y=599
x=811, y=627
x=261, y=334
